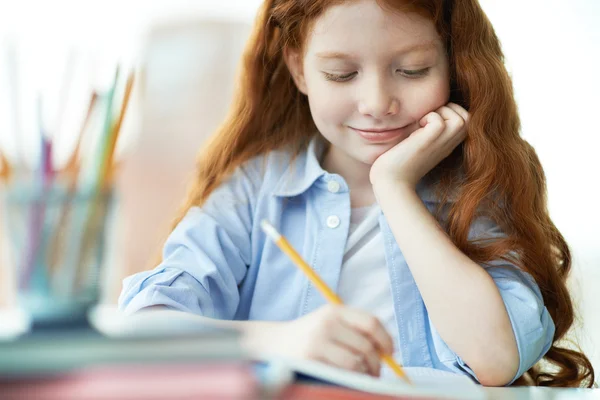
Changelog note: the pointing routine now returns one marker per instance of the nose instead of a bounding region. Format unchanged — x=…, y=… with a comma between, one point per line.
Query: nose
x=377, y=99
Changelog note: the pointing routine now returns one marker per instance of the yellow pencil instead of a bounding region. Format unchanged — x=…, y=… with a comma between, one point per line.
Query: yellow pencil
x=5, y=168
x=108, y=167
x=329, y=294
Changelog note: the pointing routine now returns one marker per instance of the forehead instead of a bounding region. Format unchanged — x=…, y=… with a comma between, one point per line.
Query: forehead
x=364, y=27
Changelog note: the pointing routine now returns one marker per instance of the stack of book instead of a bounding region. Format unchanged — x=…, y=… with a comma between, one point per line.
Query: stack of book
x=149, y=355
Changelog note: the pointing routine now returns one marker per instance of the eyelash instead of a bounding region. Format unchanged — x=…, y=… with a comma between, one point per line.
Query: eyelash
x=411, y=74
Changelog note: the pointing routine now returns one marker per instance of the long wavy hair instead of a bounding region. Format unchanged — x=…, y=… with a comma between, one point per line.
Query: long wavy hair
x=493, y=170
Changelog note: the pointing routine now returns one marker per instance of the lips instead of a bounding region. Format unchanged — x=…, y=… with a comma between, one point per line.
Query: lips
x=381, y=135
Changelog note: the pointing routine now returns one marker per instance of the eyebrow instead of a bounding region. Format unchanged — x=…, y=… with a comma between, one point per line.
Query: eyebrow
x=409, y=49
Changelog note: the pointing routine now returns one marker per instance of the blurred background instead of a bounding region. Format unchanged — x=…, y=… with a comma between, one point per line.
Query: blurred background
x=187, y=53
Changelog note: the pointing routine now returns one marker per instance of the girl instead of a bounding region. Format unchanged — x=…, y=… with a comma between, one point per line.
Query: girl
x=350, y=132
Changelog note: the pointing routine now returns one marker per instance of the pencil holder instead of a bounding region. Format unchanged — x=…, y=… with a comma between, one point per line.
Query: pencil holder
x=56, y=243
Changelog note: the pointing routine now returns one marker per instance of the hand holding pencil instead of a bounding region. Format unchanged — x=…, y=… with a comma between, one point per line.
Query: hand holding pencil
x=353, y=328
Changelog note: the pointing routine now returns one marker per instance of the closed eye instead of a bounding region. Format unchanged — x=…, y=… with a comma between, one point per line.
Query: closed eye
x=338, y=77
x=413, y=73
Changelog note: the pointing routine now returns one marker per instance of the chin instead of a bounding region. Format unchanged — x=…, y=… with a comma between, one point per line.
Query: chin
x=370, y=157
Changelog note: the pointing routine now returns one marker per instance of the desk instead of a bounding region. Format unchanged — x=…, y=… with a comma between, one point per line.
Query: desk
x=304, y=391
x=12, y=323
x=541, y=393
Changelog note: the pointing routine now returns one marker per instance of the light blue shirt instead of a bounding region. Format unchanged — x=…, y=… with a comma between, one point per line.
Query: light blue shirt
x=218, y=262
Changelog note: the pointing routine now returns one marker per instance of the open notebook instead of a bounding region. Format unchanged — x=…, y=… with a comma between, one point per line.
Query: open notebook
x=427, y=383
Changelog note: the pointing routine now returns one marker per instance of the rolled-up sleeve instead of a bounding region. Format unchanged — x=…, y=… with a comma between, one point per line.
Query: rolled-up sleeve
x=531, y=322
x=206, y=256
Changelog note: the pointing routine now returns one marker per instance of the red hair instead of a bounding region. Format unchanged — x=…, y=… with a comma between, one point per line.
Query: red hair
x=493, y=170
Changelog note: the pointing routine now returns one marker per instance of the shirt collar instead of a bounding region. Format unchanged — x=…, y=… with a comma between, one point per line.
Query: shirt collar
x=301, y=174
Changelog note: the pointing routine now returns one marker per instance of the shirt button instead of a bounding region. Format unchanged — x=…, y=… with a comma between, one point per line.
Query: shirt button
x=333, y=186
x=333, y=221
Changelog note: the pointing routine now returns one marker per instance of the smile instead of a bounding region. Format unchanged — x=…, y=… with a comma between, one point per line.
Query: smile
x=381, y=135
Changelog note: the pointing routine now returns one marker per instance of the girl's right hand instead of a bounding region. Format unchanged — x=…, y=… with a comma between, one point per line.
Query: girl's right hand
x=337, y=335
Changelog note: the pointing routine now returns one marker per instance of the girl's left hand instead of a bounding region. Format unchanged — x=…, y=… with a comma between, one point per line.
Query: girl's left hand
x=441, y=132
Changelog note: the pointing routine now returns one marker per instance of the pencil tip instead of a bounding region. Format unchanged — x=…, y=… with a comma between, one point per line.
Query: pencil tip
x=269, y=230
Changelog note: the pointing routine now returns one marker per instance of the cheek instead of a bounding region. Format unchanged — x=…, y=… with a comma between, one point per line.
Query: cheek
x=428, y=99
x=328, y=104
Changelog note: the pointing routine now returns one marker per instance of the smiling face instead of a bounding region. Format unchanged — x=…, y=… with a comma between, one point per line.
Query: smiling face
x=370, y=75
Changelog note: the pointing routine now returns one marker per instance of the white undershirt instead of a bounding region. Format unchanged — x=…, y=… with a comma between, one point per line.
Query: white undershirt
x=364, y=279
